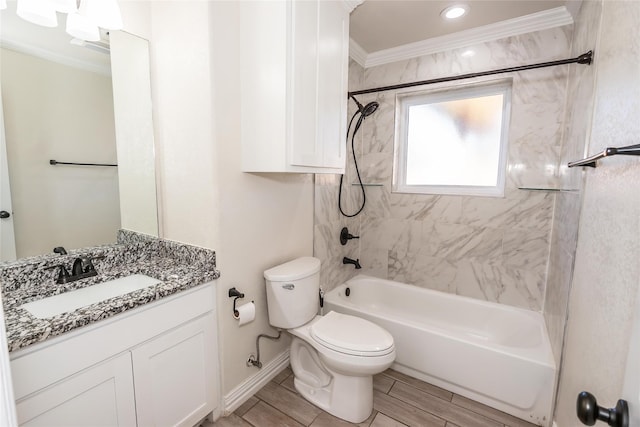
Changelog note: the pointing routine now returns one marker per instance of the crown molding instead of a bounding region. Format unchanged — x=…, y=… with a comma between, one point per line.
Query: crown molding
x=538, y=21
x=69, y=61
x=357, y=53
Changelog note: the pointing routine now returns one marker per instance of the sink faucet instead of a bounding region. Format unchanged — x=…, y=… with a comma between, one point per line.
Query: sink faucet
x=82, y=268
x=355, y=262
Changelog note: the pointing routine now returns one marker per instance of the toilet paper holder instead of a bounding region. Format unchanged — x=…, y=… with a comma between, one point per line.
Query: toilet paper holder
x=235, y=294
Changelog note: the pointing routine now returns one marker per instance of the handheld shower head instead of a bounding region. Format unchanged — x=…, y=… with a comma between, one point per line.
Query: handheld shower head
x=366, y=110
x=369, y=109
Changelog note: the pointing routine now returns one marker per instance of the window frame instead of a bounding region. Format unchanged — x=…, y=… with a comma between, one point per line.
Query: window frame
x=473, y=90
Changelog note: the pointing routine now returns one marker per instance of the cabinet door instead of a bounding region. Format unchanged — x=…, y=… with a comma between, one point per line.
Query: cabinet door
x=175, y=377
x=98, y=396
x=319, y=66
x=304, y=147
x=333, y=60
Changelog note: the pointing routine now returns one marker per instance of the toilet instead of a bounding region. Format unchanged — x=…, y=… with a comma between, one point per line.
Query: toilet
x=333, y=357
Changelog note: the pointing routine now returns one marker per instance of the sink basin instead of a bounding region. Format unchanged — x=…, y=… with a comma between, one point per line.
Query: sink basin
x=73, y=300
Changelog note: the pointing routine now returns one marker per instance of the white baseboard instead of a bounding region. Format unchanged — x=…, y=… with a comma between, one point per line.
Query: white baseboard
x=251, y=385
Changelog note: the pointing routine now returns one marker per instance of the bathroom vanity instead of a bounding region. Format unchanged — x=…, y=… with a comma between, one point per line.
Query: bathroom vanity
x=147, y=357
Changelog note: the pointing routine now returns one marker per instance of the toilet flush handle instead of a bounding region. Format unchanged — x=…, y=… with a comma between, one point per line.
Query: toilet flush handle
x=288, y=286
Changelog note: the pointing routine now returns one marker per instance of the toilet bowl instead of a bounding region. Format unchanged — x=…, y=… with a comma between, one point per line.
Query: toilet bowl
x=333, y=357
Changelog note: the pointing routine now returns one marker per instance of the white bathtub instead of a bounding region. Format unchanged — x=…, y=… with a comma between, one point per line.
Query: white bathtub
x=492, y=353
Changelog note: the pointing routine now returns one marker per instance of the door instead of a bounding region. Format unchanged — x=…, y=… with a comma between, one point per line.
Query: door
x=98, y=396
x=7, y=237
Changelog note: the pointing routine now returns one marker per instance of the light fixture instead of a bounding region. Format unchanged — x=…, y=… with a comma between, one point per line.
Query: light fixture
x=40, y=12
x=80, y=26
x=105, y=13
x=83, y=21
x=454, y=11
x=65, y=6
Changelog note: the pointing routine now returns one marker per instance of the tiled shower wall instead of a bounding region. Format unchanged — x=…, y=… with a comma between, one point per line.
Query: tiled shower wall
x=495, y=249
x=567, y=209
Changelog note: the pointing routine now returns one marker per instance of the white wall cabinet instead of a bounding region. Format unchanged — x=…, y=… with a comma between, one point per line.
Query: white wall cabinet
x=294, y=66
x=152, y=366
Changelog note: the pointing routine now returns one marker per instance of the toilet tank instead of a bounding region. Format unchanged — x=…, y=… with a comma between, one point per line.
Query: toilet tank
x=292, y=292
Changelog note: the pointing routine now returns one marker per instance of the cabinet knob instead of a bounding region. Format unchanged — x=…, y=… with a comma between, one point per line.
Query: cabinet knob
x=589, y=412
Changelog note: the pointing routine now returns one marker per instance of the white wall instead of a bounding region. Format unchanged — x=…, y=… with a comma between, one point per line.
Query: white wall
x=266, y=219
x=252, y=221
x=183, y=120
x=607, y=266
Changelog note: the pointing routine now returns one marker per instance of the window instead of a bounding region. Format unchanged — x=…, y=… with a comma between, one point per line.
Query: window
x=453, y=141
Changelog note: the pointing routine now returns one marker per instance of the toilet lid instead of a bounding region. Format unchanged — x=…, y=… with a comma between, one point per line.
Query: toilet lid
x=351, y=335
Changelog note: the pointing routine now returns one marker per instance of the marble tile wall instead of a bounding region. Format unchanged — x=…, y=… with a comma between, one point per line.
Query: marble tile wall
x=495, y=249
x=328, y=221
x=578, y=118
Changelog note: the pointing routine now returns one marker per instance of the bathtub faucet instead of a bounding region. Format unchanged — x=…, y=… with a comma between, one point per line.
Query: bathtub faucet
x=355, y=262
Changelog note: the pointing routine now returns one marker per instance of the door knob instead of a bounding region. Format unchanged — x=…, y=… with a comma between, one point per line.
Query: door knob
x=589, y=412
x=4, y=214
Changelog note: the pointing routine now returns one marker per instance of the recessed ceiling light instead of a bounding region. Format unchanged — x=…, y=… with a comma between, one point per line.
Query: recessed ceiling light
x=454, y=11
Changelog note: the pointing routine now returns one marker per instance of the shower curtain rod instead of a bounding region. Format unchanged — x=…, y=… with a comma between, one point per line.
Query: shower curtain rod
x=585, y=58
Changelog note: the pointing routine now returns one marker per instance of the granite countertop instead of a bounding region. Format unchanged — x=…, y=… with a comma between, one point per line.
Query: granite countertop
x=179, y=267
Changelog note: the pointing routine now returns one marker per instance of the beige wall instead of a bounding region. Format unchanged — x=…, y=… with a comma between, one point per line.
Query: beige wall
x=607, y=271
x=53, y=111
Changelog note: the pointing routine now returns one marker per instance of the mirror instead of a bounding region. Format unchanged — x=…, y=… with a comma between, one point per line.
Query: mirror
x=60, y=103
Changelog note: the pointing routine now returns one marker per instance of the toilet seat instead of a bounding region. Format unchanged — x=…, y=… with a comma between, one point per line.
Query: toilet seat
x=351, y=335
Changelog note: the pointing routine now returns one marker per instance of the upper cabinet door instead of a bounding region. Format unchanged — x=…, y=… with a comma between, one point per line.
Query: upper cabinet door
x=333, y=70
x=300, y=129
x=319, y=74
x=305, y=149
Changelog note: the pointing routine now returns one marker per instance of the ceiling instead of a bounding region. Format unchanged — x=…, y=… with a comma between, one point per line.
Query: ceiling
x=375, y=25
x=383, y=24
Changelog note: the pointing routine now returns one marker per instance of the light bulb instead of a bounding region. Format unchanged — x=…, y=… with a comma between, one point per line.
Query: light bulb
x=65, y=6
x=455, y=11
x=105, y=13
x=38, y=12
x=81, y=27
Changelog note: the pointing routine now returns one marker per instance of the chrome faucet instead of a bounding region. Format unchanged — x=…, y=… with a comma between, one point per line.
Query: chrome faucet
x=355, y=262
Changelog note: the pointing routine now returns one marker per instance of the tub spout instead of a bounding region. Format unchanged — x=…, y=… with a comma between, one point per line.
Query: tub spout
x=355, y=262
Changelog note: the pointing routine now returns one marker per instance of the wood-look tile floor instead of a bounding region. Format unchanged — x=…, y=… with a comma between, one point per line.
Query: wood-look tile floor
x=398, y=400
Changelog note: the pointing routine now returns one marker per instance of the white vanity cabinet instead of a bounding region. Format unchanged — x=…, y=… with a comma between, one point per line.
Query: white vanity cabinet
x=294, y=67
x=100, y=395
x=173, y=375
x=154, y=365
